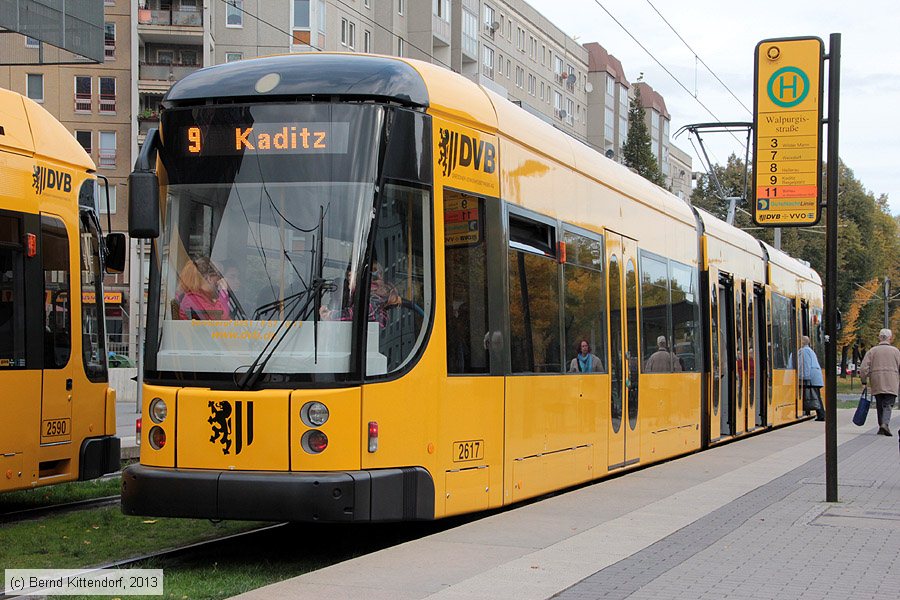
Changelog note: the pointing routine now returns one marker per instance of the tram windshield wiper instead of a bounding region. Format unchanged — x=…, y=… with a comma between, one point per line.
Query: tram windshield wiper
x=299, y=307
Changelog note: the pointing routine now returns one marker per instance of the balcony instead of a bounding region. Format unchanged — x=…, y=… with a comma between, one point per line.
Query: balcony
x=441, y=30
x=177, y=18
x=164, y=72
x=170, y=26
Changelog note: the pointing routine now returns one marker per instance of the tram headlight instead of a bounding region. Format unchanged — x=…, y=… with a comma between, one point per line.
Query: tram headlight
x=157, y=437
x=158, y=410
x=314, y=441
x=314, y=414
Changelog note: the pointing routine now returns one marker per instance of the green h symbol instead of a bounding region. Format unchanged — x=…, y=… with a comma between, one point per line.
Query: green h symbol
x=782, y=87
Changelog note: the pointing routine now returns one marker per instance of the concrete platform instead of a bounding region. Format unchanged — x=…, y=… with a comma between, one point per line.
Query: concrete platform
x=746, y=520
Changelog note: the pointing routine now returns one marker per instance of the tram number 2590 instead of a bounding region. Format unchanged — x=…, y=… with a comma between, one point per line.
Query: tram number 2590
x=468, y=450
x=55, y=428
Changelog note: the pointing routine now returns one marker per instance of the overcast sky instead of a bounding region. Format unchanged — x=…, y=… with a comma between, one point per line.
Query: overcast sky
x=724, y=35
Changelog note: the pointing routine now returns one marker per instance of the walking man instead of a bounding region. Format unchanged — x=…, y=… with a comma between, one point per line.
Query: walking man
x=881, y=366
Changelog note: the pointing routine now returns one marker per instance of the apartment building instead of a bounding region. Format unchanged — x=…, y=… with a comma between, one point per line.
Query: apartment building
x=657, y=119
x=608, y=102
x=94, y=101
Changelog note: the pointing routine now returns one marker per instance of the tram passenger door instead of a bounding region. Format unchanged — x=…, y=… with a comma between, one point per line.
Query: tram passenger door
x=715, y=397
x=754, y=375
x=624, y=424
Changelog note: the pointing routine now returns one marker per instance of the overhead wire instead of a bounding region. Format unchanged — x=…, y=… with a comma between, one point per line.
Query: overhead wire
x=697, y=56
x=663, y=67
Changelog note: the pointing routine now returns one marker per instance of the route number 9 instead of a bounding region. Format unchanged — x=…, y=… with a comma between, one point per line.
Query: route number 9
x=194, y=140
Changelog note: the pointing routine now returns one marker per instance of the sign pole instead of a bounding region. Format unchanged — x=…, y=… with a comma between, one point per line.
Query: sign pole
x=831, y=270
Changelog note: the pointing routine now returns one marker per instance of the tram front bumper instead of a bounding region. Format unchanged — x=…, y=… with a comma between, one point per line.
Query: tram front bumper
x=401, y=494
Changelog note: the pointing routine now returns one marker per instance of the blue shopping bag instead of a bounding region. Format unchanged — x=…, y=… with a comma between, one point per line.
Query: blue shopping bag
x=862, y=411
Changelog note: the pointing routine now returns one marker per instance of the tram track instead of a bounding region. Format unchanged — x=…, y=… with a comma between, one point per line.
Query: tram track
x=38, y=512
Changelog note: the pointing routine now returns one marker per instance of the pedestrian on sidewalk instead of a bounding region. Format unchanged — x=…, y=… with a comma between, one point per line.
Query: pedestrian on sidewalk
x=881, y=367
x=811, y=379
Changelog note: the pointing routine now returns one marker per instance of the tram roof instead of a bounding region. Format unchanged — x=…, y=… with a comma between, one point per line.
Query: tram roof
x=305, y=75
x=29, y=129
x=717, y=228
x=791, y=264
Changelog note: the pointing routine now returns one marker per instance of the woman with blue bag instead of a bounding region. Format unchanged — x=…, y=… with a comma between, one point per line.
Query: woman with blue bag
x=811, y=380
x=881, y=369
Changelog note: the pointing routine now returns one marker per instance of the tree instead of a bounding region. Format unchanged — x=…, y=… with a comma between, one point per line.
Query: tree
x=636, y=151
x=731, y=177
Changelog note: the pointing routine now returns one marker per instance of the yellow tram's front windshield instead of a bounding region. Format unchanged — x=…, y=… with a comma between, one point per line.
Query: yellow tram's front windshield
x=268, y=215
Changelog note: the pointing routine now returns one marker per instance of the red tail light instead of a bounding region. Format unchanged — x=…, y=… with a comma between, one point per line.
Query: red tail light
x=138, y=427
x=373, y=436
x=314, y=441
x=157, y=438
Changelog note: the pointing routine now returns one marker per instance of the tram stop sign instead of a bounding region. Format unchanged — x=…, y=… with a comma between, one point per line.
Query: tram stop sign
x=787, y=143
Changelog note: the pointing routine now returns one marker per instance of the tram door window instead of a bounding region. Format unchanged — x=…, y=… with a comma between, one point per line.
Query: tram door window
x=533, y=297
x=758, y=355
x=715, y=433
x=739, y=353
x=726, y=336
x=93, y=345
x=12, y=295
x=615, y=342
x=634, y=358
x=752, y=361
x=56, y=405
x=466, y=278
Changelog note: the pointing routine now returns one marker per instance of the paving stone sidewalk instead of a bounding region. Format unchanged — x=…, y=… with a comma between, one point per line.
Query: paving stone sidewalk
x=781, y=540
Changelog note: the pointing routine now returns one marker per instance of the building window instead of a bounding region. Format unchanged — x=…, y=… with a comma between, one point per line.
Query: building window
x=470, y=33
x=558, y=67
x=234, y=13
x=109, y=41
x=85, y=139
x=520, y=39
x=520, y=77
x=188, y=57
x=368, y=3
x=233, y=56
x=301, y=14
x=107, y=95
x=487, y=57
x=82, y=93
x=570, y=111
x=401, y=46
x=34, y=86
x=107, y=149
x=441, y=9
x=165, y=57
x=348, y=34
x=367, y=41
x=532, y=84
x=31, y=42
x=500, y=64
x=112, y=200
x=489, y=17
x=401, y=7
x=320, y=19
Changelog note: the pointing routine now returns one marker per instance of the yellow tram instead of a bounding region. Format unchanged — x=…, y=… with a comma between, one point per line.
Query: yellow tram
x=59, y=420
x=381, y=292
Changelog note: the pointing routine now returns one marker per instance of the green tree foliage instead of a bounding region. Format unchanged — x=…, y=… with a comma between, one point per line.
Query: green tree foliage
x=706, y=195
x=636, y=151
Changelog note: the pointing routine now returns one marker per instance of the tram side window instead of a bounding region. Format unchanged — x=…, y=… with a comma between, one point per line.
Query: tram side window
x=685, y=315
x=400, y=288
x=783, y=335
x=585, y=302
x=12, y=303
x=533, y=297
x=57, y=306
x=466, y=283
x=655, y=320
x=92, y=337
x=818, y=335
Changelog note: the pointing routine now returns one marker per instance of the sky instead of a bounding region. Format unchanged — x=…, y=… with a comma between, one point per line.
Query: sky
x=723, y=35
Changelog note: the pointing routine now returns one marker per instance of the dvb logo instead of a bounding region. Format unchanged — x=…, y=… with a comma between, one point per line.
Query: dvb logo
x=458, y=149
x=43, y=178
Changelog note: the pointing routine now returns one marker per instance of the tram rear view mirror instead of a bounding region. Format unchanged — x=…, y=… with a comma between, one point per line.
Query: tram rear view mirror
x=143, y=190
x=116, y=252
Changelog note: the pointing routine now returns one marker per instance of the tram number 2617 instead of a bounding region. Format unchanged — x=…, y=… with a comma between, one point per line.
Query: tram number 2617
x=468, y=450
